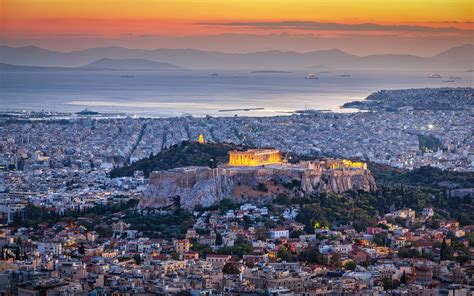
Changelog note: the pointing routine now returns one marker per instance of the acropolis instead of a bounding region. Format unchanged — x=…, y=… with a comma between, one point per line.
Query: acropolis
x=239, y=179
x=254, y=157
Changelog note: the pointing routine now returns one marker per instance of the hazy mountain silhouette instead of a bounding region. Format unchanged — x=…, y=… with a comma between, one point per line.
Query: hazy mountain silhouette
x=130, y=64
x=10, y=67
x=459, y=58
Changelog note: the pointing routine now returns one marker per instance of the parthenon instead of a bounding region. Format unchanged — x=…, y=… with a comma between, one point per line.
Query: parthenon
x=254, y=157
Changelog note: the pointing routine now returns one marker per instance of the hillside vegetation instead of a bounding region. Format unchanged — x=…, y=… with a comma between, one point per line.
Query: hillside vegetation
x=186, y=153
x=397, y=189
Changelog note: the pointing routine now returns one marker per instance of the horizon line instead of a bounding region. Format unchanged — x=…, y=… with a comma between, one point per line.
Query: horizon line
x=235, y=53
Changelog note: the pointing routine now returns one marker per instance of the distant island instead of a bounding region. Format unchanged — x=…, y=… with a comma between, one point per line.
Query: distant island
x=446, y=98
x=130, y=64
x=9, y=67
x=104, y=64
x=270, y=72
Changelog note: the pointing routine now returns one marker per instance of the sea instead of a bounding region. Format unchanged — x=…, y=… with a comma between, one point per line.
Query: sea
x=202, y=93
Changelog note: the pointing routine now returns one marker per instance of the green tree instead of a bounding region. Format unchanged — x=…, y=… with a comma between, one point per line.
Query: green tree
x=230, y=268
x=262, y=187
x=446, y=252
x=296, y=233
x=380, y=239
x=387, y=284
x=81, y=250
x=284, y=254
x=283, y=199
x=137, y=259
x=104, y=231
x=335, y=260
x=311, y=255
x=218, y=239
x=403, y=278
x=202, y=249
x=350, y=265
x=405, y=252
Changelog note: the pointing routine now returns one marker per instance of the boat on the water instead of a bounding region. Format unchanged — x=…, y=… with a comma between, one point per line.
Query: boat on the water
x=455, y=77
x=214, y=75
x=345, y=75
x=127, y=76
x=434, y=75
x=311, y=76
x=448, y=80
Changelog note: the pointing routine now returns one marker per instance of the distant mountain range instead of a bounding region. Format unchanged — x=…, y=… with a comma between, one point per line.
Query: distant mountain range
x=102, y=64
x=130, y=64
x=457, y=58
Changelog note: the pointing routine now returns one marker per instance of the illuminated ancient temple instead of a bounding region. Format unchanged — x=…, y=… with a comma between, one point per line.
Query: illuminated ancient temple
x=345, y=164
x=254, y=157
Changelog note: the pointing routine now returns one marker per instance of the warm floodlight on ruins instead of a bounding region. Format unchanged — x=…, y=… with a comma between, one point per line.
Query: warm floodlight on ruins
x=254, y=157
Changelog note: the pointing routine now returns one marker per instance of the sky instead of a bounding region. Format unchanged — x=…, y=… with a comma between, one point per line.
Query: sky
x=423, y=27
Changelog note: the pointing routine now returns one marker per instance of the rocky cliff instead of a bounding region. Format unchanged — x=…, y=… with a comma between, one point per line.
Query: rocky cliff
x=204, y=186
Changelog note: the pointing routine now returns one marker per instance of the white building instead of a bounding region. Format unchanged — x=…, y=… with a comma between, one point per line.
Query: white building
x=50, y=248
x=278, y=232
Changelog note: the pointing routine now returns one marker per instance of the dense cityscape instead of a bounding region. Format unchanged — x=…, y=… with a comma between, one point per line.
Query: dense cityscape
x=69, y=228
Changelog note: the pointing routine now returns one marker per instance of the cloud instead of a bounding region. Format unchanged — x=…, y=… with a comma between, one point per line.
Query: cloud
x=453, y=22
x=320, y=26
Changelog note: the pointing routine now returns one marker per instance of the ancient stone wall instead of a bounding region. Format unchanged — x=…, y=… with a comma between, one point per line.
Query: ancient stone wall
x=205, y=186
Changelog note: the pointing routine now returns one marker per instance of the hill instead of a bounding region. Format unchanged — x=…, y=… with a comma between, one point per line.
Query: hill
x=130, y=64
x=445, y=98
x=459, y=52
x=428, y=177
x=10, y=67
x=180, y=155
x=459, y=58
x=447, y=192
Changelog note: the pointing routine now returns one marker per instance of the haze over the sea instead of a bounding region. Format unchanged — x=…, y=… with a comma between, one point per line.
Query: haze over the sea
x=174, y=93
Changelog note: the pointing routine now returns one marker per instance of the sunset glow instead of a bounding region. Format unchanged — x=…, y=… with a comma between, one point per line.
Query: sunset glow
x=184, y=17
x=125, y=19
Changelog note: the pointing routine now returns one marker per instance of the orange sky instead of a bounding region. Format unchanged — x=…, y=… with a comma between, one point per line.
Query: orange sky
x=41, y=19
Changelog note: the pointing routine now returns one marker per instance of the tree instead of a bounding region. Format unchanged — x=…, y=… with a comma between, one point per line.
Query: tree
x=283, y=254
x=218, y=239
x=283, y=199
x=262, y=233
x=380, y=239
x=350, y=265
x=262, y=187
x=203, y=249
x=446, y=252
x=104, y=231
x=335, y=260
x=137, y=258
x=247, y=221
x=81, y=250
x=403, y=278
x=387, y=284
x=230, y=268
x=296, y=233
x=404, y=252
x=311, y=255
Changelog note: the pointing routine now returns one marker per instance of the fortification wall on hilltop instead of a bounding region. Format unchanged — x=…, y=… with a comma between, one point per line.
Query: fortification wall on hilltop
x=206, y=186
